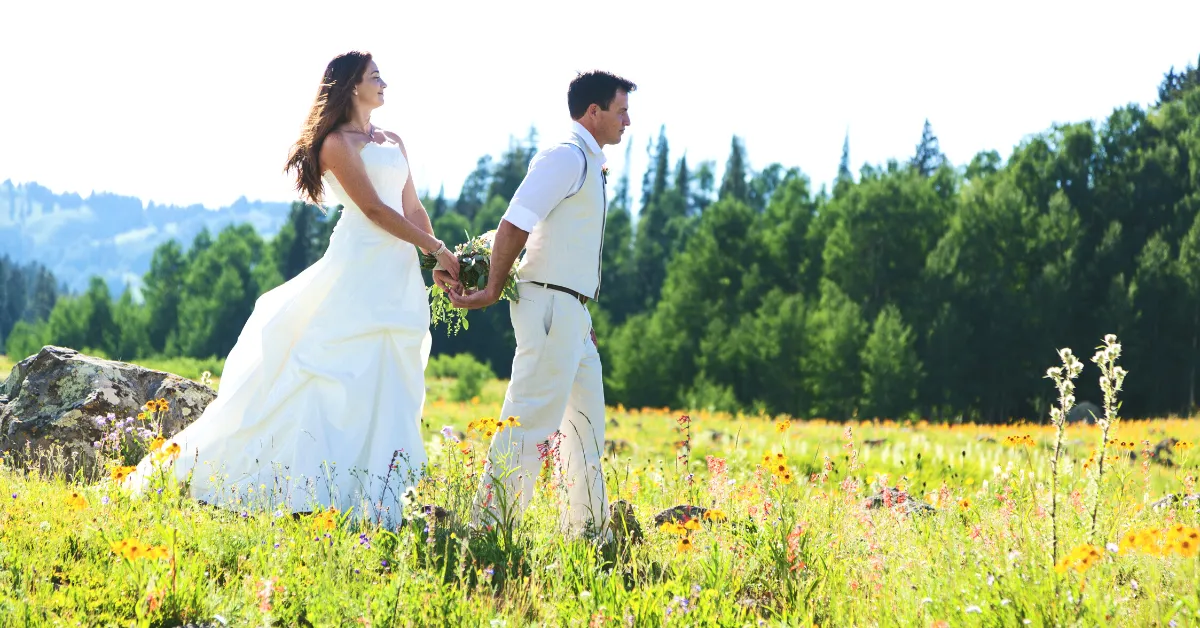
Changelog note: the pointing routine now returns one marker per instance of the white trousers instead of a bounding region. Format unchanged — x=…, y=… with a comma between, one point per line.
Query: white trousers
x=557, y=393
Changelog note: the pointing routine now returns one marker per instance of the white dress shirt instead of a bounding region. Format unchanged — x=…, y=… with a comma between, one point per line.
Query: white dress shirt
x=554, y=174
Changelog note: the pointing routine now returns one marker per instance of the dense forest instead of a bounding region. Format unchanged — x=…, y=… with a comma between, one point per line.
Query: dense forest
x=912, y=288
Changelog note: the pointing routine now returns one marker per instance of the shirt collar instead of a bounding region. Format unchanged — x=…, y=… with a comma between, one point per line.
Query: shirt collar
x=587, y=138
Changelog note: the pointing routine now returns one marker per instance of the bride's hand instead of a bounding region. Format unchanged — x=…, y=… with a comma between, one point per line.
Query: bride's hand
x=443, y=281
x=449, y=262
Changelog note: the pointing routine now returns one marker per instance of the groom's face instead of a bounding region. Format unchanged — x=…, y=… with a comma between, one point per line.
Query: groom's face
x=610, y=124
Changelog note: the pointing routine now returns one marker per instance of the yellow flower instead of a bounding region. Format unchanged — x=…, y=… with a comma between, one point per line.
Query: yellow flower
x=969, y=481
x=965, y=504
x=685, y=545
x=671, y=527
x=715, y=515
x=513, y=422
x=691, y=524
x=131, y=549
x=782, y=426
x=76, y=502
x=163, y=405
x=325, y=520
x=120, y=473
x=156, y=443
x=1080, y=559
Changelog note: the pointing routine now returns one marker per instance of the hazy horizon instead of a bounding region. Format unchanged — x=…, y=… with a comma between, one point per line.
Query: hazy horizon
x=144, y=102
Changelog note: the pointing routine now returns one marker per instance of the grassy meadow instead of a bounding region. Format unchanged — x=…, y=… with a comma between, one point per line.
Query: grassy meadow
x=787, y=540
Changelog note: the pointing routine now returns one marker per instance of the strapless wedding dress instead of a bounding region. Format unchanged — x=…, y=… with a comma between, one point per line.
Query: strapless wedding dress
x=320, y=400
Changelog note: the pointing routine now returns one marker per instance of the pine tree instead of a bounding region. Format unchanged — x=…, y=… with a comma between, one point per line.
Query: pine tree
x=844, y=165
x=929, y=156
x=733, y=184
x=662, y=165
x=683, y=184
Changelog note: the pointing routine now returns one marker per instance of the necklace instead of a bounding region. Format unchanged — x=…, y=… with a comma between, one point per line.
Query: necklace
x=370, y=133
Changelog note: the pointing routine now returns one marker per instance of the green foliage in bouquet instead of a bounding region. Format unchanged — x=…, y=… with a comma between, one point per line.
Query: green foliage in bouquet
x=475, y=264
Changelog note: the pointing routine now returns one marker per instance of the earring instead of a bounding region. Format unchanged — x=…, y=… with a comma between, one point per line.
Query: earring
x=356, y=92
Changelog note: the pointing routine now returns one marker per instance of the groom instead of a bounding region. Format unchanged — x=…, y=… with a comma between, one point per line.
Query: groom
x=557, y=215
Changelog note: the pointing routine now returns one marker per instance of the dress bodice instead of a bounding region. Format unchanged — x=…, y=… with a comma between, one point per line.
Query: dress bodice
x=387, y=169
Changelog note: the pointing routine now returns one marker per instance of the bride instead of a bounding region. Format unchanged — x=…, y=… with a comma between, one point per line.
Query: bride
x=320, y=400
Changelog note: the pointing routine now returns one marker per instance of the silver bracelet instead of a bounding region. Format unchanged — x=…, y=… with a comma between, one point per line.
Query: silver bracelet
x=439, y=251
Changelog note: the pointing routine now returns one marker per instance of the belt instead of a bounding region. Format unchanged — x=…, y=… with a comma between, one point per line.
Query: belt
x=582, y=299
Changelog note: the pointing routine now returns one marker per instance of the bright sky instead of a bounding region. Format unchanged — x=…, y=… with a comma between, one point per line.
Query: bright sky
x=200, y=105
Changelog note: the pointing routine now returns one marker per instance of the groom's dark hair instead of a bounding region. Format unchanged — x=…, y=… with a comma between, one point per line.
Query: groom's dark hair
x=595, y=88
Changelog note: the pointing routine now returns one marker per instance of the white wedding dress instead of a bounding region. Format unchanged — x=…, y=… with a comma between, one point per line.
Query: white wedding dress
x=320, y=400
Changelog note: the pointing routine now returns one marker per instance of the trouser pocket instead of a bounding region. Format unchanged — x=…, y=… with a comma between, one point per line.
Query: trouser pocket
x=548, y=316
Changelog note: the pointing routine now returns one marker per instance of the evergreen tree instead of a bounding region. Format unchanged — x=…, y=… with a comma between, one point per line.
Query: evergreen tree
x=844, y=175
x=929, y=156
x=733, y=183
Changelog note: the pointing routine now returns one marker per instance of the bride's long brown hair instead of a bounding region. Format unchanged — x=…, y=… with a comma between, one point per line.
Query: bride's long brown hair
x=331, y=108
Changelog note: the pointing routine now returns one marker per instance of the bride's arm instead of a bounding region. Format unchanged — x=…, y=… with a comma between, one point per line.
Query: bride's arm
x=339, y=155
x=414, y=209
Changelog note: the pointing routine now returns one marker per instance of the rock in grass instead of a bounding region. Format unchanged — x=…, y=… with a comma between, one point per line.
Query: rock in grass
x=1171, y=499
x=56, y=396
x=895, y=498
x=623, y=524
x=679, y=514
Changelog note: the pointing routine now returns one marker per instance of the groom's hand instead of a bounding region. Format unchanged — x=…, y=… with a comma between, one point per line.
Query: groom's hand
x=475, y=300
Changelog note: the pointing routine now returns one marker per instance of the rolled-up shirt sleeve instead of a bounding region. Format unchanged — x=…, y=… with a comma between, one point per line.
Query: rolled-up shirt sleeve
x=553, y=175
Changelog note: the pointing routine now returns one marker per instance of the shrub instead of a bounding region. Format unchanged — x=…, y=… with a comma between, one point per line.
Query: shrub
x=469, y=373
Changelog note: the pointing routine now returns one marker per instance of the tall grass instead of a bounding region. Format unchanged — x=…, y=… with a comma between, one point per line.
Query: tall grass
x=788, y=541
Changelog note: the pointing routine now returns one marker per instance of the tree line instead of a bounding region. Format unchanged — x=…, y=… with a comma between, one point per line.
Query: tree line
x=910, y=288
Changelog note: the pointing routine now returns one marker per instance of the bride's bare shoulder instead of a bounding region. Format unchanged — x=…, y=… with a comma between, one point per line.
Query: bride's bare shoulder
x=336, y=149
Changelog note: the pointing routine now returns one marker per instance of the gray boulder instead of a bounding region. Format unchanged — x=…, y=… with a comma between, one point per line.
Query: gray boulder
x=1085, y=412
x=894, y=498
x=679, y=514
x=54, y=398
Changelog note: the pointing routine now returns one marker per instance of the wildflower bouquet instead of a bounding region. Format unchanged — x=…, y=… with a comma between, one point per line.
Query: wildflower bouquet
x=475, y=263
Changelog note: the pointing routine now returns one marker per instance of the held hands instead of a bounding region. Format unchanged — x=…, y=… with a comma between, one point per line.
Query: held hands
x=447, y=277
x=475, y=300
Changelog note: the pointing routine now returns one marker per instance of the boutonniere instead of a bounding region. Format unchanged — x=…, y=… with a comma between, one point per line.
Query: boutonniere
x=604, y=174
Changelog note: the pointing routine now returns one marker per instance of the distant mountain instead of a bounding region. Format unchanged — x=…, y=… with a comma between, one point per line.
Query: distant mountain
x=109, y=235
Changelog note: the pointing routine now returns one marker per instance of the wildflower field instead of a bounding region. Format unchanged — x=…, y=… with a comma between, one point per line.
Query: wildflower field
x=804, y=522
